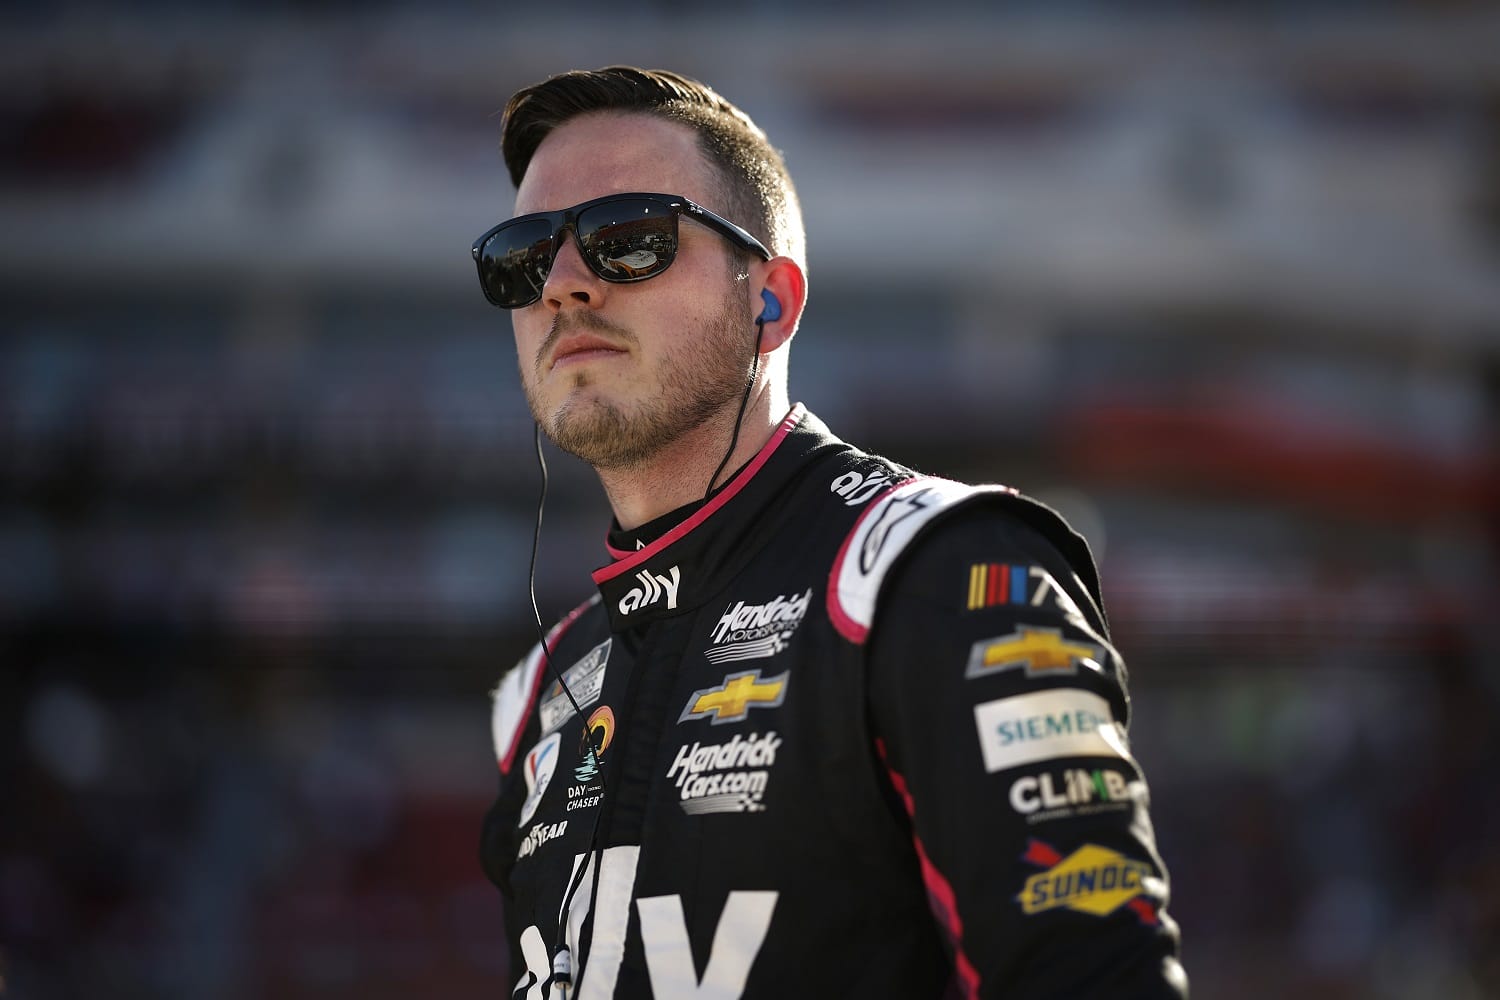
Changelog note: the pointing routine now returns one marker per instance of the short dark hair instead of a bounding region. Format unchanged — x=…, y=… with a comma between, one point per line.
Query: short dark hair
x=757, y=190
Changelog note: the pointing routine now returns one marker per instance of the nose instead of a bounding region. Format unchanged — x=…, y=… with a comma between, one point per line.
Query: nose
x=570, y=280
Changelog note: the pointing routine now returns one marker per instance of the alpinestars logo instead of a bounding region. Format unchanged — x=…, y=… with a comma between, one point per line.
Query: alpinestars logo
x=752, y=631
x=896, y=510
x=653, y=588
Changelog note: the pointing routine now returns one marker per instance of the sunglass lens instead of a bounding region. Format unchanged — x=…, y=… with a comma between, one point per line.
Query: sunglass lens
x=628, y=240
x=513, y=263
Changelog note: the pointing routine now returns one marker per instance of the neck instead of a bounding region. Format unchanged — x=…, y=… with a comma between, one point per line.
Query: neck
x=678, y=474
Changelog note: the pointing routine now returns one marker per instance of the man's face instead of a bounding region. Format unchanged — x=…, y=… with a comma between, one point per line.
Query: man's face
x=615, y=372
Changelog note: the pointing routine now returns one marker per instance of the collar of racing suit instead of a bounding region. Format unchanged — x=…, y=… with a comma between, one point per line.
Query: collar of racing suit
x=675, y=572
x=622, y=543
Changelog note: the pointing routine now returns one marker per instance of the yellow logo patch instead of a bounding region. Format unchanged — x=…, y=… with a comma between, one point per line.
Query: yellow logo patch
x=732, y=700
x=1093, y=880
x=1039, y=650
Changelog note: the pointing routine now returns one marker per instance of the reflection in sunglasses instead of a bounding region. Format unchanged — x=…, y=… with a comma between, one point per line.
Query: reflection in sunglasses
x=621, y=238
x=633, y=264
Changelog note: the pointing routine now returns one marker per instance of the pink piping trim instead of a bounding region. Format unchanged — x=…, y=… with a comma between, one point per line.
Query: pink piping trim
x=633, y=559
x=842, y=622
x=553, y=638
x=939, y=890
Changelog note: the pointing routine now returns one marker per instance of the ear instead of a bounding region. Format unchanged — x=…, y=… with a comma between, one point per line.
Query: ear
x=783, y=278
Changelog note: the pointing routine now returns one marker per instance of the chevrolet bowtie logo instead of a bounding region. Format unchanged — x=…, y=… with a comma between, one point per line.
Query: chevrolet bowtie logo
x=732, y=700
x=1039, y=650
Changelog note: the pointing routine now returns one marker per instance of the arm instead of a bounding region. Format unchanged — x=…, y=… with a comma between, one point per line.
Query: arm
x=999, y=711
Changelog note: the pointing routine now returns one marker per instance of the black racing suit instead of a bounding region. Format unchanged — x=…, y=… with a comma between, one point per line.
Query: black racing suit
x=844, y=731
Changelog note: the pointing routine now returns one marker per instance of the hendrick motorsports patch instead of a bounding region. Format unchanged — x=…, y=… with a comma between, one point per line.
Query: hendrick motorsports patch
x=752, y=631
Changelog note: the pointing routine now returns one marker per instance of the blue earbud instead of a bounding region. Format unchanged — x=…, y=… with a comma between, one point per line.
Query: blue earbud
x=772, y=311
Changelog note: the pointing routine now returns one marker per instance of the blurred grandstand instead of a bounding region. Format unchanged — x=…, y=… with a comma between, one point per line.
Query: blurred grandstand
x=1225, y=290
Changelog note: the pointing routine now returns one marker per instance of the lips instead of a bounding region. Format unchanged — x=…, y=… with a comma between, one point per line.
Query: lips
x=580, y=345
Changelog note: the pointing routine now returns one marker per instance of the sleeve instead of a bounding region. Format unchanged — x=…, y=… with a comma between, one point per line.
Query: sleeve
x=510, y=721
x=999, y=710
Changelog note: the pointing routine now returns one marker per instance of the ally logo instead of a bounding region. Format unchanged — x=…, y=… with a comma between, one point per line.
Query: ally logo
x=653, y=588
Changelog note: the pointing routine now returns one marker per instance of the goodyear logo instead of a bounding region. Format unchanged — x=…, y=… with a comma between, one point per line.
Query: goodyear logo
x=1093, y=880
x=1042, y=651
x=732, y=700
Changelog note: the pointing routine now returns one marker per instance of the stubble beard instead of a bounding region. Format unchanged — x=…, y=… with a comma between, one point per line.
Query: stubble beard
x=698, y=378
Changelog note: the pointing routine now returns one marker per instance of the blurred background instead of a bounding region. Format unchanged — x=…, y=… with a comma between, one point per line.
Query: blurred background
x=1225, y=289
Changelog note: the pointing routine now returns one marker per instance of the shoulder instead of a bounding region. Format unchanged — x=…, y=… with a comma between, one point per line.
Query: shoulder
x=933, y=521
x=517, y=692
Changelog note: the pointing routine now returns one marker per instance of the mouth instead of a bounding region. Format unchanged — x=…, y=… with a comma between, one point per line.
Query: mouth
x=582, y=347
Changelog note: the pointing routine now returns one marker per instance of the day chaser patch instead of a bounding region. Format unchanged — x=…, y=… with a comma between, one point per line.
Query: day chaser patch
x=598, y=734
x=1063, y=722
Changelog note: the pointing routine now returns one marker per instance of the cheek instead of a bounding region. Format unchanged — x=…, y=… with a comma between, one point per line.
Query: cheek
x=528, y=336
x=708, y=300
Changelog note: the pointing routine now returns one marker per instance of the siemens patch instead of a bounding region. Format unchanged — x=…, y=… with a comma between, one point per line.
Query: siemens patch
x=1063, y=722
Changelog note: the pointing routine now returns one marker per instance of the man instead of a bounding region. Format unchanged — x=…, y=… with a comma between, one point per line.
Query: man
x=827, y=727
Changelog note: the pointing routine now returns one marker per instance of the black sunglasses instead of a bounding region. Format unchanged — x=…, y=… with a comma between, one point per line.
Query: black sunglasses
x=622, y=238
